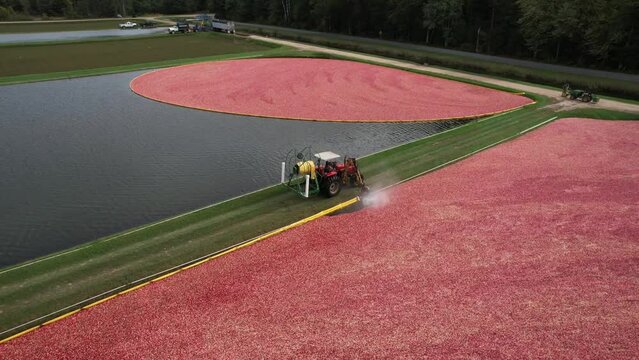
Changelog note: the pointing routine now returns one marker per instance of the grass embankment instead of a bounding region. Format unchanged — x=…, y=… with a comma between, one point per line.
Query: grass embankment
x=41, y=26
x=597, y=113
x=24, y=63
x=402, y=51
x=55, y=57
x=175, y=56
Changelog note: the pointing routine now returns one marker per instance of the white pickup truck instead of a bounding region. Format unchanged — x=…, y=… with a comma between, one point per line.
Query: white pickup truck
x=181, y=27
x=128, y=25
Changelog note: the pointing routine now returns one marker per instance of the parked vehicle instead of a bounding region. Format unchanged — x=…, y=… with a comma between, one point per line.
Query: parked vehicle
x=223, y=26
x=579, y=95
x=128, y=25
x=181, y=27
x=208, y=22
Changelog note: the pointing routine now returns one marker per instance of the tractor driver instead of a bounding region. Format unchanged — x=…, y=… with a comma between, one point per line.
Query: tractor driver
x=330, y=166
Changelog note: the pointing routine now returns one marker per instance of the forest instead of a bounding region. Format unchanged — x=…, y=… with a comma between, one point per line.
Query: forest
x=594, y=33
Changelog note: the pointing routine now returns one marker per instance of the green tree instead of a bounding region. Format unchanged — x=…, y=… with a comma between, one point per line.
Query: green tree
x=260, y=10
x=443, y=15
x=536, y=23
x=6, y=13
x=565, y=25
x=218, y=7
x=301, y=11
x=404, y=18
x=612, y=28
x=320, y=10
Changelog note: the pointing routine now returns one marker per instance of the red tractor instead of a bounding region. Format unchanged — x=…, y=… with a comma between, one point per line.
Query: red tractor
x=325, y=176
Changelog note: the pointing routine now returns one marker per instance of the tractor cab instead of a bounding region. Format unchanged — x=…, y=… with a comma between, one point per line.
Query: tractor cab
x=325, y=175
x=327, y=164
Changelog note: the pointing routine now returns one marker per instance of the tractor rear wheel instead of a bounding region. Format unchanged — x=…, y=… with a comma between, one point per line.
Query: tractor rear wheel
x=331, y=186
x=586, y=98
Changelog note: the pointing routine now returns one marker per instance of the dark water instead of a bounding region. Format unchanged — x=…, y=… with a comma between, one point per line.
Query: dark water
x=75, y=35
x=84, y=158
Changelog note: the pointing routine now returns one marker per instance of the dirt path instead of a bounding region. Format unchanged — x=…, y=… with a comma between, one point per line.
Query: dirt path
x=603, y=103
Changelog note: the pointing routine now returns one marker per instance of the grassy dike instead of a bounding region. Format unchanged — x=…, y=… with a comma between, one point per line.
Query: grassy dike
x=46, y=61
x=241, y=48
x=277, y=52
x=63, y=281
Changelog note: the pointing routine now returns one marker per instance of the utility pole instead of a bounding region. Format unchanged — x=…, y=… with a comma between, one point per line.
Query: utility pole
x=477, y=44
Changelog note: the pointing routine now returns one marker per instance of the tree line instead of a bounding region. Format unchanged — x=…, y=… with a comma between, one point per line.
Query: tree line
x=599, y=33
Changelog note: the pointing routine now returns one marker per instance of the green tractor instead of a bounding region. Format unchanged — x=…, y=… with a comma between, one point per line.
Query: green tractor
x=579, y=95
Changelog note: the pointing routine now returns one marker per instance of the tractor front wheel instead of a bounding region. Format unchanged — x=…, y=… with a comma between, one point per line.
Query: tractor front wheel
x=331, y=186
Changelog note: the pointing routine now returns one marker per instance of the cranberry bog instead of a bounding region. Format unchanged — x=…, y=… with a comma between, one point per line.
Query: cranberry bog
x=36, y=293
x=39, y=291
x=53, y=292
x=528, y=249
x=322, y=90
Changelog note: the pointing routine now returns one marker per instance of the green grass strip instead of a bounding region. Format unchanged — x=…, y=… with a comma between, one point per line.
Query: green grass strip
x=280, y=52
x=128, y=54
x=596, y=113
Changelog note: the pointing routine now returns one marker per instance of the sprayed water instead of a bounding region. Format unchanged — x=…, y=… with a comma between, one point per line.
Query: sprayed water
x=377, y=199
